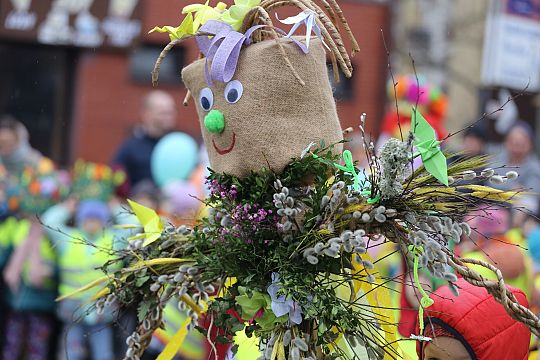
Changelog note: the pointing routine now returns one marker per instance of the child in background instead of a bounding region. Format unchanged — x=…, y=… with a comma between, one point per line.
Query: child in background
x=472, y=326
x=7, y=222
x=31, y=273
x=180, y=203
x=146, y=194
x=82, y=251
x=490, y=241
x=531, y=231
x=32, y=288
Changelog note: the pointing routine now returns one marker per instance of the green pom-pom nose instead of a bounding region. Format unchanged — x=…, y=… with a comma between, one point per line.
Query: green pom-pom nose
x=214, y=122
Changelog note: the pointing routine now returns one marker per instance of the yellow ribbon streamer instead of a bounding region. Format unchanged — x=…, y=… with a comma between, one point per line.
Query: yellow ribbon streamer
x=175, y=343
x=379, y=297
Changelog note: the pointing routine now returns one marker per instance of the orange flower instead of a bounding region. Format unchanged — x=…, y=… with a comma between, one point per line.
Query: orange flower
x=34, y=188
x=13, y=203
x=99, y=171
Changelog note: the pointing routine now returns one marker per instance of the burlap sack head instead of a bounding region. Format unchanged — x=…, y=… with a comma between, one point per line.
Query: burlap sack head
x=275, y=118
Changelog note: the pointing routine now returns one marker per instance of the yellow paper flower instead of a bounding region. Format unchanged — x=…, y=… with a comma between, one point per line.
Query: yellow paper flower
x=204, y=13
x=176, y=33
x=45, y=166
x=236, y=13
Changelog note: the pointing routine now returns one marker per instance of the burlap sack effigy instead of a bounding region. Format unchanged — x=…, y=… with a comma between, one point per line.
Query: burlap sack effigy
x=277, y=117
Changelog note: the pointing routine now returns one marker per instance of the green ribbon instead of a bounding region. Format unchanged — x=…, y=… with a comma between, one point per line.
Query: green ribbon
x=349, y=168
x=426, y=301
x=371, y=200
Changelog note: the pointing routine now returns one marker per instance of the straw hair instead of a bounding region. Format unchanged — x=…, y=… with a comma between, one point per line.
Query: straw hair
x=330, y=18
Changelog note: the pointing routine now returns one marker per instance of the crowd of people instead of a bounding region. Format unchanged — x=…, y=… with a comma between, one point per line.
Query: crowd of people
x=59, y=228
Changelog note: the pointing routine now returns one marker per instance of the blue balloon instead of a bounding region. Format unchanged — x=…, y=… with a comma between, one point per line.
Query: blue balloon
x=174, y=158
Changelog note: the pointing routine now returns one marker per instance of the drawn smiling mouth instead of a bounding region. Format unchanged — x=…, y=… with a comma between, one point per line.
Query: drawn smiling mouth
x=226, y=150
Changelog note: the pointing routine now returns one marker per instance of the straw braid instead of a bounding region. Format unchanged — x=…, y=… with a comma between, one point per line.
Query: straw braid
x=497, y=289
x=145, y=336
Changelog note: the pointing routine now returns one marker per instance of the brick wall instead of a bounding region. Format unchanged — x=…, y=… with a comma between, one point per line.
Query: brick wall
x=106, y=102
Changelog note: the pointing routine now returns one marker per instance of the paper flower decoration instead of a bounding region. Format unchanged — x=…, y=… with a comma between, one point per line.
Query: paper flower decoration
x=38, y=188
x=176, y=33
x=281, y=305
x=95, y=181
x=306, y=17
x=235, y=15
x=149, y=219
x=204, y=13
x=428, y=147
x=45, y=166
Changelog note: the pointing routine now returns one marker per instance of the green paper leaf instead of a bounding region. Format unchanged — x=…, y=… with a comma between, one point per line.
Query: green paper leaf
x=268, y=320
x=236, y=13
x=250, y=306
x=176, y=33
x=428, y=147
x=141, y=281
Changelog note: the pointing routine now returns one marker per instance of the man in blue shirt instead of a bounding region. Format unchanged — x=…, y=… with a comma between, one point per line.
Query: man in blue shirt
x=158, y=117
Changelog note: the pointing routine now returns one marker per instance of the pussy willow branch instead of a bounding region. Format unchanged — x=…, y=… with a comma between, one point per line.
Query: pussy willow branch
x=167, y=49
x=486, y=115
x=394, y=83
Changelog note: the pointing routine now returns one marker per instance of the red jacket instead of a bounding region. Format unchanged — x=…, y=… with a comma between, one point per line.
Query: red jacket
x=482, y=322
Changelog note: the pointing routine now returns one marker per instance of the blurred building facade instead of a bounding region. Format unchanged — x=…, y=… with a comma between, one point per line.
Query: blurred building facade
x=74, y=71
x=479, y=59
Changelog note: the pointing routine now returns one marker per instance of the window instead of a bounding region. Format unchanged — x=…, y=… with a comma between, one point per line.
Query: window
x=343, y=90
x=142, y=60
x=36, y=89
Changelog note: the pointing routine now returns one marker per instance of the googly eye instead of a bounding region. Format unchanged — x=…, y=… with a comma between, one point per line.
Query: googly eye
x=234, y=91
x=206, y=99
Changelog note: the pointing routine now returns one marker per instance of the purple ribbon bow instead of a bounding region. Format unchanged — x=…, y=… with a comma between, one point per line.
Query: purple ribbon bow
x=223, y=48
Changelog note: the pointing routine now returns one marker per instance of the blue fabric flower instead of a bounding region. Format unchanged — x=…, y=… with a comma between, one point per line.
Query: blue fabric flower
x=281, y=305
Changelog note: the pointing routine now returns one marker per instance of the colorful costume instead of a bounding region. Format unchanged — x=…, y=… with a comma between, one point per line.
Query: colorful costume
x=282, y=257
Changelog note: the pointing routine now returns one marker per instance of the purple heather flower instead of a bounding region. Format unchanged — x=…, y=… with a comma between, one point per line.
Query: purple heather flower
x=281, y=305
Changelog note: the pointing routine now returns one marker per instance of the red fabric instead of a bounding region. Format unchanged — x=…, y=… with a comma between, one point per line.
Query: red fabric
x=408, y=314
x=435, y=330
x=222, y=349
x=482, y=321
x=390, y=124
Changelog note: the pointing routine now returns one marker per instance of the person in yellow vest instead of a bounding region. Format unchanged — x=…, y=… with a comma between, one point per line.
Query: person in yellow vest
x=30, y=272
x=194, y=346
x=6, y=227
x=178, y=201
x=82, y=251
x=31, y=297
